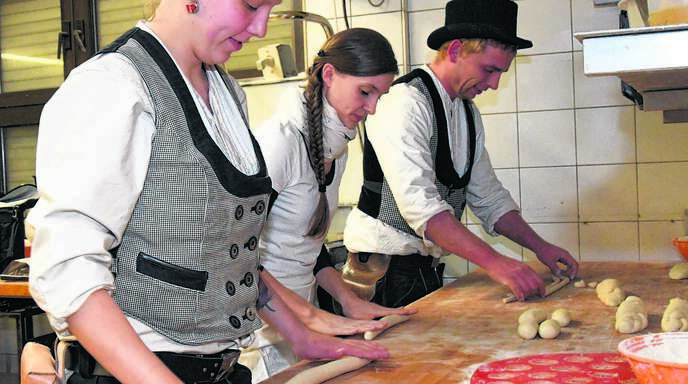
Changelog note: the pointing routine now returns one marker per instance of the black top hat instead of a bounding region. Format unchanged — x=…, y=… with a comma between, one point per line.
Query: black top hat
x=479, y=19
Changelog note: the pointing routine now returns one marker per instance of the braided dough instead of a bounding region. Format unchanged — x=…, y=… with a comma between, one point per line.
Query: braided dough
x=631, y=315
x=610, y=293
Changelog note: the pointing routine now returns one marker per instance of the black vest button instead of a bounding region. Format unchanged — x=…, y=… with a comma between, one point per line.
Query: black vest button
x=234, y=251
x=239, y=212
x=251, y=244
x=236, y=323
x=248, y=279
x=250, y=314
x=230, y=288
x=259, y=208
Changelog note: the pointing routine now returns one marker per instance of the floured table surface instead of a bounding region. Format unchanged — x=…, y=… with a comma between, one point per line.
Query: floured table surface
x=465, y=325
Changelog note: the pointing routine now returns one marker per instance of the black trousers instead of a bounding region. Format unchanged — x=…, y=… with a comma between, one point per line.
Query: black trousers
x=408, y=278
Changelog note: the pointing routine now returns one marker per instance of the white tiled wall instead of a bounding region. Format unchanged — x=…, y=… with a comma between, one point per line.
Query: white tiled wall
x=590, y=171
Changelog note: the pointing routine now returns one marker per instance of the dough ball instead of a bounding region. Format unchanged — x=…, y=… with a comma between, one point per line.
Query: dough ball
x=679, y=271
x=592, y=284
x=561, y=316
x=533, y=315
x=549, y=329
x=528, y=330
x=579, y=284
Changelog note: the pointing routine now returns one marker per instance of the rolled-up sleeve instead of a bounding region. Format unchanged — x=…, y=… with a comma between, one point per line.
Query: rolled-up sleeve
x=400, y=132
x=92, y=156
x=486, y=196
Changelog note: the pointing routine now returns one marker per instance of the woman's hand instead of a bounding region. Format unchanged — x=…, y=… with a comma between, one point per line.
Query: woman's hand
x=317, y=346
x=357, y=308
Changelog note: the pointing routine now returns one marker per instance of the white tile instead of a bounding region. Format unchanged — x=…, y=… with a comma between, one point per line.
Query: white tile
x=546, y=138
x=608, y=193
x=658, y=141
x=363, y=7
x=595, y=91
x=564, y=235
x=605, y=135
x=662, y=191
x=421, y=24
x=587, y=17
x=547, y=24
x=609, y=241
x=501, y=100
x=549, y=194
x=423, y=5
x=501, y=139
x=544, y=82
x=388, y=24
x=324, y=8
x=655, y=241
x=510, y=181
x=499, y=243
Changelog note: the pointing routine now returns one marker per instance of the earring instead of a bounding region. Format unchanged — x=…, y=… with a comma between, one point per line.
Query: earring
x=192, y=7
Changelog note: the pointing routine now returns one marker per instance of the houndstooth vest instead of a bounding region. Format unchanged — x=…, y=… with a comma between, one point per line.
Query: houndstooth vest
x=187, y=265
x=376, y=199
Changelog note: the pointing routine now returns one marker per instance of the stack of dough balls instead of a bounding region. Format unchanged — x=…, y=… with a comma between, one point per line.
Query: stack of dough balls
x=533, y=322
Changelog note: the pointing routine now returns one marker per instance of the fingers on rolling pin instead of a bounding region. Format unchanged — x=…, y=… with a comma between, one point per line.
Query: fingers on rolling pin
x=317, y=375
x=391, y=321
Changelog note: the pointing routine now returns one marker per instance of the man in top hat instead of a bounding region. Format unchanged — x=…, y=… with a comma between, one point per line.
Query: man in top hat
x=424, y=159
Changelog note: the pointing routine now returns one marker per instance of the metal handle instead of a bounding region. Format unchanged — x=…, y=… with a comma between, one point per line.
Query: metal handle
x=63, y=40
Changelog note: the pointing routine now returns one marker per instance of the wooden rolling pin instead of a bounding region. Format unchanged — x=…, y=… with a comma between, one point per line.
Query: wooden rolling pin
x=556, y=285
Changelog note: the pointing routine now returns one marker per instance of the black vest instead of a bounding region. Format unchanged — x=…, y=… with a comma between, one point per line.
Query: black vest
x=376, y=199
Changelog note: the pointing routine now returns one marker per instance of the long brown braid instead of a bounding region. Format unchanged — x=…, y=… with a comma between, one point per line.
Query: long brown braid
x=357, y=52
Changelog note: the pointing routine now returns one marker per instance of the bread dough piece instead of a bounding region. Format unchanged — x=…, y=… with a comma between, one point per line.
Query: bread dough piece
x=592, y=284
x=317, y=375
x=579, y=284
x=679, y=271
x=528, y=330
x=610, y=293
x=549, y=329
x=561, y=316
x=631, y=315
x=535, y=315
x=675, y=316
x=391, y=321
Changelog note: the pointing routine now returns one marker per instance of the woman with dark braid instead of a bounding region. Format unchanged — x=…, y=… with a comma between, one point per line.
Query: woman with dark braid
x=305, y=149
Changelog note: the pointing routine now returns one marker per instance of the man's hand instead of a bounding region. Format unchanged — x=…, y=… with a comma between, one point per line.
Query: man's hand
x=552, y=255
x=519, y=277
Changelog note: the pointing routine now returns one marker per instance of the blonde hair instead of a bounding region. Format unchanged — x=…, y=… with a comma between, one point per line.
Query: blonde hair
x=149, y=7
x=471, y=46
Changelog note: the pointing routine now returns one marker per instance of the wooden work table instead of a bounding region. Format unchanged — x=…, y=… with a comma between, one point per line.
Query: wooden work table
x=14, y=290
x=465, y=324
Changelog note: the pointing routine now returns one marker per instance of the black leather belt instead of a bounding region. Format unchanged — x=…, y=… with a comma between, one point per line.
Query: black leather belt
x=189, y=368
